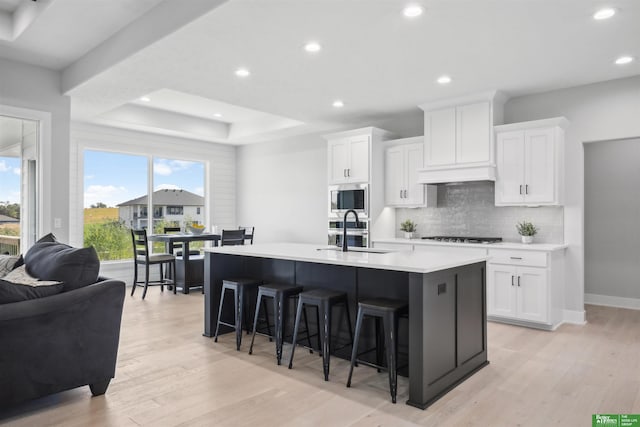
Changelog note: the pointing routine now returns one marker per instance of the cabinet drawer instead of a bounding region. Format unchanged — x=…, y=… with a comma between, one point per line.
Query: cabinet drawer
x=515, y=257
x=456, y=250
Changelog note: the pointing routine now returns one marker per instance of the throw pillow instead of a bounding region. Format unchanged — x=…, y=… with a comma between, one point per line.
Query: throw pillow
x=7, y=263
x=22, y=287
x=75, y=267
x=47, y=238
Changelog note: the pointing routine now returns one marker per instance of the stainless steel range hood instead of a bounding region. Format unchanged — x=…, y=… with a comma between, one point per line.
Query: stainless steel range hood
x=458, y=173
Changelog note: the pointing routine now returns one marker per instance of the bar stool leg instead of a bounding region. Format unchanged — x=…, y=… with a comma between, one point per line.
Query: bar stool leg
x=266, y=318
x=277, y=312
x=295, y=332
x=255, y=320
x=354, y=351
x=390, y=344
x=215, y=337
x=239, y=303
x=326, y=338
x=380, y=339
x=306, y=325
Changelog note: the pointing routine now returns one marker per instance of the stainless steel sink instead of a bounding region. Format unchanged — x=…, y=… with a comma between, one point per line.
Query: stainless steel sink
x=367, y=250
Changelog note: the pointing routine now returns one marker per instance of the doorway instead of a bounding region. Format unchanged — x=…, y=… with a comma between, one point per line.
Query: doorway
x=612, y=210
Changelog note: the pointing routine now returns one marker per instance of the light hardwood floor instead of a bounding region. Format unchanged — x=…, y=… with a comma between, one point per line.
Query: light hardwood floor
x=168, y=374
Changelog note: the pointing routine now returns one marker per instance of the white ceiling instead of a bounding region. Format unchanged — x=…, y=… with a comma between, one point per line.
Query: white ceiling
x=381, y=64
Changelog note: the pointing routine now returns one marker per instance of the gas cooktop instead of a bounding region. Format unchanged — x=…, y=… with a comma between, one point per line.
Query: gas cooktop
x=467, y=239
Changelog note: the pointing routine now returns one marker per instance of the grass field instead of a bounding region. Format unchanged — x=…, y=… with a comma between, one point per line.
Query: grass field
x=100, y=215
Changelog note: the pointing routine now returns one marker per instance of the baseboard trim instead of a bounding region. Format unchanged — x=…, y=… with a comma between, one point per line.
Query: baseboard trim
x=575, y=317
x=610, y=301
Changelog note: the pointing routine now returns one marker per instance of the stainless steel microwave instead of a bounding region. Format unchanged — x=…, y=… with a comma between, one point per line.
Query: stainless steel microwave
x=349, y=196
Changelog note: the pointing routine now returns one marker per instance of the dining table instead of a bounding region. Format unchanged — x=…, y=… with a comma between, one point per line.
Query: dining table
x=189, y=268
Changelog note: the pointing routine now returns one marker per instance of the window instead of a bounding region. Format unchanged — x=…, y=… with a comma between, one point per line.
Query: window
x=176, y=210
x=18, y=184
x=116, y=202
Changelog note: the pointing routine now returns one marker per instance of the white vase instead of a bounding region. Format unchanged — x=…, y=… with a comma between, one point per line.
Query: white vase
x=527, y=239
x=408, y=234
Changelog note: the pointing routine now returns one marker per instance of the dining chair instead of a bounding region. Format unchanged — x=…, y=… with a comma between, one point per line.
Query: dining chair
x=232, y=237
x=177, y=246
x=248, y=233
x=141, y=256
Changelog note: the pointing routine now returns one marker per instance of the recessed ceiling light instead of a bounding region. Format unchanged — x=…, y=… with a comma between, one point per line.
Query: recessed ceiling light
x=412, y=11
x=145, y=99
x=242, y=72
x=338, y=103
x=624, y=60
x=218, y=115
x=605, y=13
x=443, y=80
x=312, y=47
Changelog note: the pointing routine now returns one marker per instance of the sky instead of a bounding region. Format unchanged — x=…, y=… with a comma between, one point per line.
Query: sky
x=9, y=179
x=113, y=178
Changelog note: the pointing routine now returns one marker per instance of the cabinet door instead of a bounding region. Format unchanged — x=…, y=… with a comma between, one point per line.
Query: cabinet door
x=394, y=176
x=539, y=166
x=532, y=294
x=440, y=137
x=474, y=133
x=501, y=290
x=413, y=162
x=338, y=161
x=510, y=168
x=358, y=167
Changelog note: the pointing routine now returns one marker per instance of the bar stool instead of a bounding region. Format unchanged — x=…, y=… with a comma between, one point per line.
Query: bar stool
x=279, y=293
x=238, y=286
x=389, y=311
x=324, y=300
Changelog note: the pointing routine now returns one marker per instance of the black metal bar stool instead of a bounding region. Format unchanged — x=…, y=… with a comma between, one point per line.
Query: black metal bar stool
x=280, y=293
x=324, y=300
x=238, y=286
x=389, y=311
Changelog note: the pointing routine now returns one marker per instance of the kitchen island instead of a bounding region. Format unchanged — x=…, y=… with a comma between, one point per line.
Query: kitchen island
x=447, y=338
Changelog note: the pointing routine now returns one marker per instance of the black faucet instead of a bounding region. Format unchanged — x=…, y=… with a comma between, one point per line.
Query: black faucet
x=344, y=228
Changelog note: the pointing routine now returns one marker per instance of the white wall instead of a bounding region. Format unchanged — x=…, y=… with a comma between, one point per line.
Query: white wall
x=34, y=88
x=282, y=189
x=597, y=112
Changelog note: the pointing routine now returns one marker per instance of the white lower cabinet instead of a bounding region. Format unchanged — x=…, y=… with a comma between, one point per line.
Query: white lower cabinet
x=525, y=287
x=517, y=292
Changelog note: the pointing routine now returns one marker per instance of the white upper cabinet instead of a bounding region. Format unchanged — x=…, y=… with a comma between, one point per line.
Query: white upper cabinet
x=349, y=159
x=459, y=132
x=530, y=161
x=402, y=163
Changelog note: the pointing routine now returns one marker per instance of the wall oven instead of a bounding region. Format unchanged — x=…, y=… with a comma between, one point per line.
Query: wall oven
x=357, y=234
x=349, y=196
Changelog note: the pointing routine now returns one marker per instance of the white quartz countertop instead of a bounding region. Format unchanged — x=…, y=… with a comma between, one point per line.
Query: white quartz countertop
x=410, y=261
x=546, y=247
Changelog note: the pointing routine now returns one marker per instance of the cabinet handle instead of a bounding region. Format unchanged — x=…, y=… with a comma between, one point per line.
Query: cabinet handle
x=515, y=257
x=401, y=194
x=512, y=279
x=405, y=194
x=526, y=189
x=518, y=280
x=520, y=188
x=348, y=172
x=344, y=173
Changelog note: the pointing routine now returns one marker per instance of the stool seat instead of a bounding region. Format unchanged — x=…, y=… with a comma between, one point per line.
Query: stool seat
x=238, y=286
x=323, y=300
x=388, y=311
x=279, y=292
x=383, y=304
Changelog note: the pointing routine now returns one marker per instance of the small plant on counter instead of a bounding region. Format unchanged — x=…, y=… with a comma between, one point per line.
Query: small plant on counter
x=408, y=226
x=527, y=230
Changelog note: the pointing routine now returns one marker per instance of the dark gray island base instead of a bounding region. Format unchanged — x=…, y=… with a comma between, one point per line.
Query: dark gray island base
x=446, y=334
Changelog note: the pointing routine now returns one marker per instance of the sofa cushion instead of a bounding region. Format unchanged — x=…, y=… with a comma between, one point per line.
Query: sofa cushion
x=19, y=286
x=7, y=263
x=48, y=238
x=75, y=267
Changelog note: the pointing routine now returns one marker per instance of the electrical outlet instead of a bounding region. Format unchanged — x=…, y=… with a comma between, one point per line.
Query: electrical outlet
x=57, y=222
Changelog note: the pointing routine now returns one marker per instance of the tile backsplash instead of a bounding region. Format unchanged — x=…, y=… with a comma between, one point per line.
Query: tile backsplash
x=467, y=209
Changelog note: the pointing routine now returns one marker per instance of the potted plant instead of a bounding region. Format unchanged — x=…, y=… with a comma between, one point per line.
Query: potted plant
x=527, y=230
x=408, y=227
